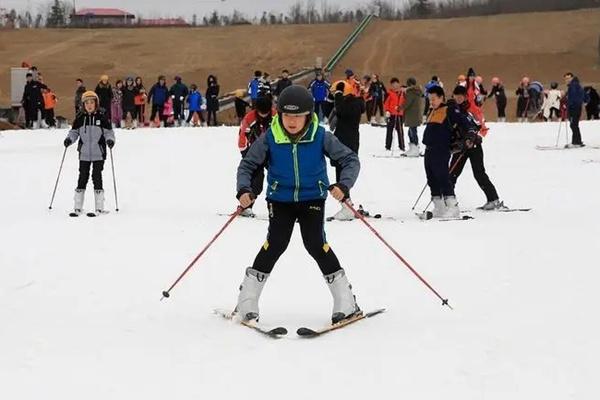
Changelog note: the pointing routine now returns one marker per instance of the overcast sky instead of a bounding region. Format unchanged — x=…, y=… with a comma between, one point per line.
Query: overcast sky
x=156, y=8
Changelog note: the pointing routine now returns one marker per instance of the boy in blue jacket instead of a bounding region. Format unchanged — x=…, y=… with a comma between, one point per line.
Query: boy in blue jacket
x=293, y=149
x=320, y=90
x=158, y=96
x=443, y=122
x=194, y=103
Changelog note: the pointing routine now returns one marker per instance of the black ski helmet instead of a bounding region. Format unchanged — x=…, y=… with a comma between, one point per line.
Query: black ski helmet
x=295, y=99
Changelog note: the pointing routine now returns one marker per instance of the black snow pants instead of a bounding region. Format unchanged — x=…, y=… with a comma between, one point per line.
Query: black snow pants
x=394, y=123
x=282, y=219
x=475, y=156
x=438, y=175
x=84, y=174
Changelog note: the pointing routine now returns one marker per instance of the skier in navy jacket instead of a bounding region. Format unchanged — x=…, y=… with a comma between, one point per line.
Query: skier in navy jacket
x=575, y=97
x=319, y=88
x=158, y=96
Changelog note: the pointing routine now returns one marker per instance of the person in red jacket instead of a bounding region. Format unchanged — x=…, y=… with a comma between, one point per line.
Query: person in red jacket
x=476, y=97
x=394, y=115
x=253, y=125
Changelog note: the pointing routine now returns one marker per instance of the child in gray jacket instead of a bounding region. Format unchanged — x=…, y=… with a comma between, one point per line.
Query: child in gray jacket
x=94, y=131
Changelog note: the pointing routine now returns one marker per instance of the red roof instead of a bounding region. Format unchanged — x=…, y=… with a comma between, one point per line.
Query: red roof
x=164, y=22
x=103, y=12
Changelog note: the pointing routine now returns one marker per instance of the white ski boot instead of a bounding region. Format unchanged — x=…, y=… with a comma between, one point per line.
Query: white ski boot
x=250, y=290
x=492, y=205
x=99, y=200
x=413, y=150
x=382, y=121
x=78, y=200
x=248, y=213
x=344, y=301
x=345, y=213
x=452, y=210
x=373, y=121
x=439, y=207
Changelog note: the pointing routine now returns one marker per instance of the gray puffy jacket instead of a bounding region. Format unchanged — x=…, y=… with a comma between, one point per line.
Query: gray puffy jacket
x=93, y=130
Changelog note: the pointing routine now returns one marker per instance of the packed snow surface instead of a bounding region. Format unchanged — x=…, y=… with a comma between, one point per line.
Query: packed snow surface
x=79, y=298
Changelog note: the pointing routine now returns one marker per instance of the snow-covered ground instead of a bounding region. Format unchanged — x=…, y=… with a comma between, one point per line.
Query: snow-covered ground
x=79, y=298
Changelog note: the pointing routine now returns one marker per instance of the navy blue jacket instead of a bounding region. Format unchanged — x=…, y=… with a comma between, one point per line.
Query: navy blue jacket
x=441, y=125
x=575, y=95
x=159, y=94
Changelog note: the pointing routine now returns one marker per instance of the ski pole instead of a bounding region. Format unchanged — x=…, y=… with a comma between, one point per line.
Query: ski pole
x=363, y=219
x=112, y=164
x=558, y=136
x=167, y=293
x=57, y=178
x=449, y=171
x=419, y=198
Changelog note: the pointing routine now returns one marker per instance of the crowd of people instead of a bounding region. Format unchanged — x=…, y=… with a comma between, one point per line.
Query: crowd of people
x=128, y=104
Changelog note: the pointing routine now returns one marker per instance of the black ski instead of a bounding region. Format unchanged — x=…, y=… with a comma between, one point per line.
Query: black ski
x=74, y=214
x=305, y=332
x=274, y=333
x=427, y=215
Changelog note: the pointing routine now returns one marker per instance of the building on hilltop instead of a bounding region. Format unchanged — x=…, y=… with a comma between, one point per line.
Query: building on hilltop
x=99, y=17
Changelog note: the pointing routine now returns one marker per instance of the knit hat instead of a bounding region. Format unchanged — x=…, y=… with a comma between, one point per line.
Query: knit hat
x=90, y=95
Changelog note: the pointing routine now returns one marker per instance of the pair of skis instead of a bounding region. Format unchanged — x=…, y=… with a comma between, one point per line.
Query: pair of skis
x=89, y=214
x=303, y=332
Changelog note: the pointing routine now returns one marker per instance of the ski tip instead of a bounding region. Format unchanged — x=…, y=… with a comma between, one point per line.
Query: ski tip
x=377, y=216
x=165, y=294
x=465, y=217
x=305, y=332
x=279, y=331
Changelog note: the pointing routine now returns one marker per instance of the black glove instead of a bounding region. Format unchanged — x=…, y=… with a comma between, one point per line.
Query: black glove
x=67, y=142
x=343, y=188
x=244, y=191
x=110, y=143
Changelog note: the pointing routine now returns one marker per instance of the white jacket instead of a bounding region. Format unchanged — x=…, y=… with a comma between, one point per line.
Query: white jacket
x=552, y=101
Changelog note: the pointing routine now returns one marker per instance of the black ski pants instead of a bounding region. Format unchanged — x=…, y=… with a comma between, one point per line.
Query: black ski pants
x=211, y=117
x=501, y=107
x=84, y=174
x=394, y=123
x=438, y=174
x=574, y=116
x=282, y=219
x=178, y=112
x=475, y=156
x=157, y=108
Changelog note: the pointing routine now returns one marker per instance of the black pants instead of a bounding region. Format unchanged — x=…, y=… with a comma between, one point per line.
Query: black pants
x=178, y=113
x=475, y=155
x=378, y=106
x=211, y=115
x=282, y=218
x=191, y=115
x=49, y=117
x=369, y=107
x=394, y=123
x=501, y=106
x=157, y=108
x=31, y=115
x=84, y=174
x=592, y=110
x=132, y=111
x=522, y=106
x=320, y=110
x=438, y=175
x=574, y=116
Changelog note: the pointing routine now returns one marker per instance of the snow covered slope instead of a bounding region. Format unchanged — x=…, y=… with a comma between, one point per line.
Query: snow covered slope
x=79, y=298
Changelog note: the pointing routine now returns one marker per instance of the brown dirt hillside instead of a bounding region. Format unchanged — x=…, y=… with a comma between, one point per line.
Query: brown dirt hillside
x=542, y=46
x=232, y=53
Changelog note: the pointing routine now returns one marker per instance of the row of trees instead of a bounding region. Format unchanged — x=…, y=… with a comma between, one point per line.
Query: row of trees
x=56, y=12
